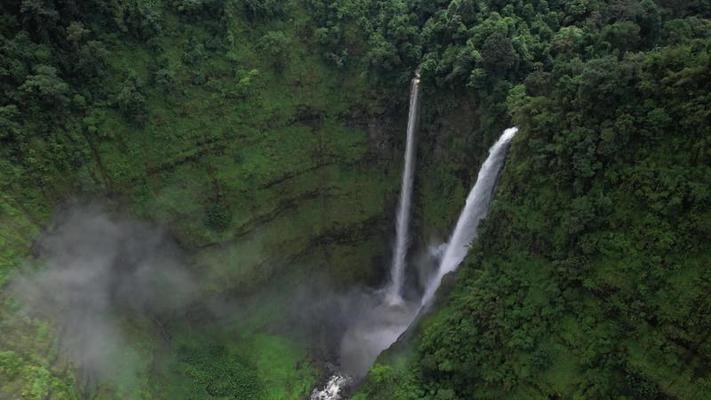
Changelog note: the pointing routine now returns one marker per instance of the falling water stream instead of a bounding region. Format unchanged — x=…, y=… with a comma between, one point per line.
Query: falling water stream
x=378, y=329
x=390, y=316
x=403, y=211
x=474, y=211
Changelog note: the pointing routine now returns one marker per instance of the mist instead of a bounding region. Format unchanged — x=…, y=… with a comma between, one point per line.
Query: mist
x=93, y=272
x=98, y=274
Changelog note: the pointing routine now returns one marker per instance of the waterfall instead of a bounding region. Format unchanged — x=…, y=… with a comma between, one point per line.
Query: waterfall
x=403, y=211
x=474, y=211
x=382, y=321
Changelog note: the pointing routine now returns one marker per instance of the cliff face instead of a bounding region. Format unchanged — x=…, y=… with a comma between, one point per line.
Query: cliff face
x=250, y=166
x=257, y=168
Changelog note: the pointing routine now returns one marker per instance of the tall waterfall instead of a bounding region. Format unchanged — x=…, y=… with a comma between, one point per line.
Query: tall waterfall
x=382, y=321
x=475, y=210
x=403, y=211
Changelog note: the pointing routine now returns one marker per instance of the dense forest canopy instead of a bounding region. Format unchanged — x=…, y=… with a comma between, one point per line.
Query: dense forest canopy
x=251, y=128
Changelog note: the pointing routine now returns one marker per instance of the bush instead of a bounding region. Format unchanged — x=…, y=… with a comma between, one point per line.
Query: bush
x=218, y=215
x=131, y=101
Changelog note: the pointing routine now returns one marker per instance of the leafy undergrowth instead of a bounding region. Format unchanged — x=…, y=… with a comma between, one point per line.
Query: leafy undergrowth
x=237, y=356
x=257, y=366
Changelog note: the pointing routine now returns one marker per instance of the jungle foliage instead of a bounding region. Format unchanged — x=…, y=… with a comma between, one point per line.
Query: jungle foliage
x=591, y=276
x=212, y=119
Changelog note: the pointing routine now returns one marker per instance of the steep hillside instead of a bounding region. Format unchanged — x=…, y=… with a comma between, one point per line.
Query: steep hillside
x=263, y=140
x=590, y=276
x=220, y=122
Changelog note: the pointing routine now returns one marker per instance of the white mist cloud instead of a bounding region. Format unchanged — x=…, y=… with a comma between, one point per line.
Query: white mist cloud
x=96, y=270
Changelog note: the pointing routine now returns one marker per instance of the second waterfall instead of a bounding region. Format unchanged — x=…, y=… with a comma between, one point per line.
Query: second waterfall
x=397, y=271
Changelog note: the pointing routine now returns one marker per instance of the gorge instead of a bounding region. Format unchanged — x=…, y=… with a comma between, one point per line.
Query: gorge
x=383, y=324
x=277, y=200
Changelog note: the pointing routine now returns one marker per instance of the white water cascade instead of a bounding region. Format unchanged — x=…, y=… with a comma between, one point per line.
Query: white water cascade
x=474, y=211
x=403, y=211
x=384, y=322
x=332, y=390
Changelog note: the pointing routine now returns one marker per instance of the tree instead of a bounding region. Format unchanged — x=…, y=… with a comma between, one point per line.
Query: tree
x=382, y=55
x=9, y=127
x=90, y=60
x=142, y=20
x=130, y=100
x=263, y=8
x=194, y=52
x=39, y=17
x=276, y=45
x=218, y=215
x=46, y=88
x=76, y=32
x=623, y=36
x=497, y=53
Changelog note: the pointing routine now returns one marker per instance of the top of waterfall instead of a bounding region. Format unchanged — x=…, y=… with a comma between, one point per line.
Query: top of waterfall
x=508, y=134
x=475, y=209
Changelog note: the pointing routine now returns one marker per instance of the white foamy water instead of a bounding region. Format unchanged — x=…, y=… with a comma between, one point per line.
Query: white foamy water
x=332, y=390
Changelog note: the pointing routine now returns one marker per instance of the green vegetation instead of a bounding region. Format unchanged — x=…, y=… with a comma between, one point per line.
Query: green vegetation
x=265, y=136
x=591, y=273
x=255, y=367
x=213, y=119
